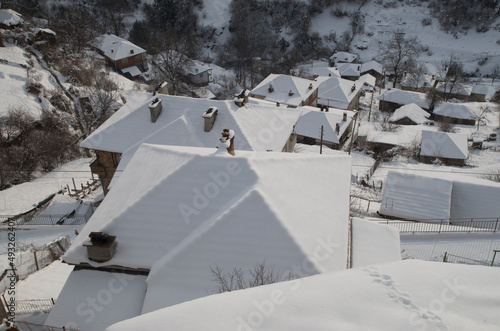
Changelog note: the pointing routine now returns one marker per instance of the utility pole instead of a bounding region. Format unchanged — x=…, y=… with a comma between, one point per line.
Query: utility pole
x=371, y=103
x=321, y=141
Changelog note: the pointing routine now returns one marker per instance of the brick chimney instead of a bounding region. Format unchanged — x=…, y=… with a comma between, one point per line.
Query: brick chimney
x=241, y=99
x=337, y=128
x=155, y=109
x=100, y=246
x=209, y=116
x=344, y=117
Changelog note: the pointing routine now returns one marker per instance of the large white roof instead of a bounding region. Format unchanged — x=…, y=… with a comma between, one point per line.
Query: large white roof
x=343, y=57
x=372, y=65
x=337, y=92
x=348, y=69
x=405, y=295
x=410, y=196
x=405, y=97
x=455, y=110
x=116, y=48
x=258, y=125
x=282, y=85
x=179, y=210
x=444, y=145
x=411, y=111
x=309, y=124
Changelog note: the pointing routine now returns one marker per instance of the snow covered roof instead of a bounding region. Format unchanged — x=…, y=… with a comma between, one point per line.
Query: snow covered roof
x=133, y=71
x=343, y=57
x=444, y=145
x=410, y=111
x=9, y=17
x=116, y=48
x=258, y=125
x=117, y=297
x=418, y=81
x=439, y=196
x=180, y=210
x=367, y=81
x=404, y=98
x=348, y=69
x=337, y=92
x=311, y=120
x=487, y=90
x=405, y=295
x=285, y=89
x=410, y=196
x=311, y=73
x=455, y=110
x=197, y=67
x=372, y=65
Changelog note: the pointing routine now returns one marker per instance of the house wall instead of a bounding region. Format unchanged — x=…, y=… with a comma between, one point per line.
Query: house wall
x=477, y=97
x=104, y=166
x=138, y=60
x=388, y=106
x=201, y=78
x=452, y=120
x=449, y=162
x=313, y=99
x=404, y=121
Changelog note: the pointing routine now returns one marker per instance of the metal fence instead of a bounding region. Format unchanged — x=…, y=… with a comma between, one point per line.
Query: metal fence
x=25, y=326
x=34, y=306
x=442, y=226
x=465, y=260
x=44, y=220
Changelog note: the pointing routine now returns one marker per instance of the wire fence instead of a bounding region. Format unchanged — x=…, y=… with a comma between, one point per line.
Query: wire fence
x=443, y=226
x=25, y=326
x=45, y=220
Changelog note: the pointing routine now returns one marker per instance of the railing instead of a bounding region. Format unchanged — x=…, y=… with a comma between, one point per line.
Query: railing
x=441, y=226
x=44, y=220
x=34, y=306
x=25, y=326
x=465, y=260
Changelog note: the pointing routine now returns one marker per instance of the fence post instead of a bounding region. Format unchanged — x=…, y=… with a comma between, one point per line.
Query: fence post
x=440, y=226
x=494, y=255
x=496, y=226
x=444, y=258
x=36, y=260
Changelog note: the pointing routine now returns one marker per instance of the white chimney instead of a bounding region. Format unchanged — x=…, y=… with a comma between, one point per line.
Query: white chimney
x=209, y=116
x=155, y=109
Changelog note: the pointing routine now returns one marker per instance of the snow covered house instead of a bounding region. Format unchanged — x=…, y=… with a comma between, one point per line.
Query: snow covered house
x=9, y=19
x=395, y=98
x=199, y=73
x=179, y=121
x=175, y=212
x=448, y=198
x=339, y=93
x=410, y=114
x=342, y=57
x=350, y=71
x=417, y=83
x=367, y=82
x=449, y=148
x=287, y=90
x=482, y=93
x=375, y=69
x=122, y=55
x=337, y=125
x=455, y=113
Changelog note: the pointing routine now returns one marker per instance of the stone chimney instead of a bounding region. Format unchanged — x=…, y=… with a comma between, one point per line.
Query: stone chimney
x=155, y=109
x=100, y=246
x=337, y=128
x=270, y=89
x=290, y=93
x=209, y=116
x=344, y=117
x=241, y=99
x=353, y=88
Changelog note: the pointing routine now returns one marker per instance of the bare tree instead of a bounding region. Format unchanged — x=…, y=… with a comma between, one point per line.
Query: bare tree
x=481, y=115
x=451, y=75
x=400, y=54
x=172, y=60
x=237, y=280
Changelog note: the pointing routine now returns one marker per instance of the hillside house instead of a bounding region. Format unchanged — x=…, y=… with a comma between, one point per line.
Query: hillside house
x=122, y=55
x=339, y=93
x=375, y=69
x=199, y=74
x=176, y=212
x=449, y=148
x=455, y=113
x=482, y=93
x=342, y=57
x=444, y=198
x=337, y=126
x=418, y=83
x=350, y=71
x=410, y=114
x=9, y=19
x=395, y=98
x=287, y=90
x=367, y=82
x=179, y=121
